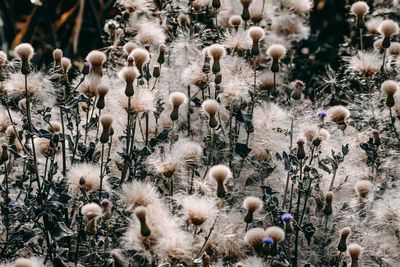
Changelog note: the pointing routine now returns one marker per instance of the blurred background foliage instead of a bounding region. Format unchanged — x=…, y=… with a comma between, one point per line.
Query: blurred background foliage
x=76, y=26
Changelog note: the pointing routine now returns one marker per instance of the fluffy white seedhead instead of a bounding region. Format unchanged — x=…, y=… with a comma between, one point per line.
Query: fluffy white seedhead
x=216, y=51
x=210, y=106
x=254, y=236
x=141, y=56
x=276, y=51
x=359, y=9
x=354, y=250
x=220, y=173
x=137, y=194
x=96, y=58
x=128, y=47
x=378, y=44
x=388, y=28
x=57, y=55
x=252, y=204
x=299, y=6
x=275, y=233
x=87, y=174
x=188, y=151
x=338, y=114
x=106, y=120
x=235, y=20
x=177, y=98
x=363, y=188
x=128, y=74
x=102, y=90
x=91, y=211
x=394, y=49
x=365, y=63
x=389, y=87
x=256, y=33
x=65, y=64
x=199, y=209
x=323, y=134
x=150, y=33
x=24, y=51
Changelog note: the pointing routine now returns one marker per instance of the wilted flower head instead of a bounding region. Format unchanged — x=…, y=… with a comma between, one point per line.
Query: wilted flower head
x=96, y=59
x=338, y=114
x=256, y=33
x=188, y=151
x=363, y=188
x=389, y=87
x=252, y=204
x=276, y=233
x=254, y=237
x=57, y=55
x=91, y=211
x=359, y=9
x=388, y=28
x=54, y=126
x=89, y=85
x=276, y=51
x=235, y=21
x=354, y=251
x=128, y=47
x=24, y=51
x=150, y=33
x=216, y=51
x=139, y=194
x=299, y=6
x=39, y=87
x=65, y=64
x=199, y=209
x=365, y=63
x=177, y=98
x=86, y=176
x=141, y=57
x=220, y=173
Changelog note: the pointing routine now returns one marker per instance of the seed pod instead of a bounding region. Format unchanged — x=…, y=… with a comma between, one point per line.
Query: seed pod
x=328, y=204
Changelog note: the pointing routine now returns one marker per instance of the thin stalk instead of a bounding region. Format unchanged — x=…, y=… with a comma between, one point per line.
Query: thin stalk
x=384, y=60
x=98, y=126
x=286, y=190
x=28, y=114
x=188, y=113
x=208, y=237
x=147, y=128
x=361, y=40
x=333, y=178
x=101, y=171
x=308, y=192
x=64, y=154
x=191, y=182
x=230, y=135
x=77, y=136
x=128, y=138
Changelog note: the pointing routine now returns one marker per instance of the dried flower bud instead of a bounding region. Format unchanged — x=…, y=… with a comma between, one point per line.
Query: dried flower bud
x=57, y=55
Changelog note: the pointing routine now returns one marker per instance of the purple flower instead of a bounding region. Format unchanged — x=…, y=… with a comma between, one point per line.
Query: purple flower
x=300, y=142
x=287, y=217
x=267, y=240
x=297, y=84
x=105, y=203
x=12, y=203
x=322, y=114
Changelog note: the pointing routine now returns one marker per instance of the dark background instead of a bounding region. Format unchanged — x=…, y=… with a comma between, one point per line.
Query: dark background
x=53, y=24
